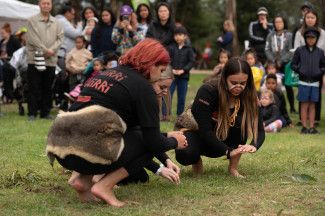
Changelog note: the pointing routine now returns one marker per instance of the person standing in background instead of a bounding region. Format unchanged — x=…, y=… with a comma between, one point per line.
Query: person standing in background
x=258, y=31
x=44, y=38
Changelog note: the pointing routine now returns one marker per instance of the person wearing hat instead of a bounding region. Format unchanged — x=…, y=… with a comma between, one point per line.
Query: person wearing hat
x=309, y=62
x=258, y=31
x=126, y=33
x=311, y=19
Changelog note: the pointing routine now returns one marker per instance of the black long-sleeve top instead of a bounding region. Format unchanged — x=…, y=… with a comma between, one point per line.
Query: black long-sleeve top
x=205, y=108
x=163, y=33
x=281, y=103
x=270, y=113
x=132, y=97
x=181, y=59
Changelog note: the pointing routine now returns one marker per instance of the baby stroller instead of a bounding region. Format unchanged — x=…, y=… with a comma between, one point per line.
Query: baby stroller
x=19, y=65
x=21, y=90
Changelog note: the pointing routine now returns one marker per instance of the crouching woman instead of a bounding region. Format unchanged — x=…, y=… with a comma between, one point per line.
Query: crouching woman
x=227, y=114
x=113, y=127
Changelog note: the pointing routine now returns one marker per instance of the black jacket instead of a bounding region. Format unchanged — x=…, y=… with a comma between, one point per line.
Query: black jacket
x=12, y=45
x=309, y=63
x=164, y=34
x=257, y=34
x=181, y=59
x=270, y=113
x=281, y=103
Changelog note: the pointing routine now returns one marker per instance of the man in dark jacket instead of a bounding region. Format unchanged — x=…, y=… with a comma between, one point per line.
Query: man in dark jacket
x=258, y=31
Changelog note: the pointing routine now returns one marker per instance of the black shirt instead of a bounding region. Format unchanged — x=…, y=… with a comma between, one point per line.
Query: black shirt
x=182, y=59
x=281, y=103
x=204, y=110
x=131, y=96
x=271, y=113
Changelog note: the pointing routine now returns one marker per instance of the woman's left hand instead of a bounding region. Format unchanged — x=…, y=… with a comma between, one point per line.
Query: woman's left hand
x=173, y=166
x=247, y=148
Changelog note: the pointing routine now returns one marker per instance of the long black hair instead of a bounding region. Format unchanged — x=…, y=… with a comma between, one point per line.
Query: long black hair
x=170, y=19
x=248, y=99
x=83, y=18
x=285, y=23
x=101, y=24
x=149, y=18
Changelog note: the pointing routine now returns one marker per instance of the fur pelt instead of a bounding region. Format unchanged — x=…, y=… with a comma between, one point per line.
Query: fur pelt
x=94, y=133
x=186, y=121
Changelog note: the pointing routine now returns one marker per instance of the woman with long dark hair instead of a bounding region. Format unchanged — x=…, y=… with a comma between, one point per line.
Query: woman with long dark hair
x=226, y=112
x=87, y=13
x=144, y=17
x=101, y=36
x=162, y=28
x=118, y=125
x=8, y=45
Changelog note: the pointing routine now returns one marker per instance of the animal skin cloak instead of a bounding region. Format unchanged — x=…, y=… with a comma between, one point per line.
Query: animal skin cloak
x=94, y=133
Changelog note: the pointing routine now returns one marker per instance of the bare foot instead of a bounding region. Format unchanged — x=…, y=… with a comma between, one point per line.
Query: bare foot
x=235, y=173
x=197, y=168
x=82, y=185
x=107, y=195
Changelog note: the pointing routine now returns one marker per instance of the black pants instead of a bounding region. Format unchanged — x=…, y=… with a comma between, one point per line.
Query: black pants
x=133, y=158
x=197, y=147
x=40, y=90
x=9, y=74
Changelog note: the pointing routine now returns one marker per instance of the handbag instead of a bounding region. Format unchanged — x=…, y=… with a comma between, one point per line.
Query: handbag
x=291, y=78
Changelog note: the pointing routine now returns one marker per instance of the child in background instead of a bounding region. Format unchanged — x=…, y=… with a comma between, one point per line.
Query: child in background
x=257, y=68
x=182, y=61
x=76, y=61
x=223, y=58
x=271, y=68
x=98, y=66
x=309, y=62
x=271, y=113
x=271, y=84
x=110, y=60
x=91, y=23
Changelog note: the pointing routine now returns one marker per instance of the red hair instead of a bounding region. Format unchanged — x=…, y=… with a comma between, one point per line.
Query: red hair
x=7, y=28
x=144, y=55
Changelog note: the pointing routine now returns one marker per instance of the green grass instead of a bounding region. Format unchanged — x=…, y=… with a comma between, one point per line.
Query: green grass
x=29, y=185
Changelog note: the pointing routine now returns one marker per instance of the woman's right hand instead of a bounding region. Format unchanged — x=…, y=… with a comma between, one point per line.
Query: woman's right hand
x=170, y=174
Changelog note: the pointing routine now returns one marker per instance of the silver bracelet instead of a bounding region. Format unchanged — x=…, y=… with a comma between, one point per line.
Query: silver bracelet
x=160, y=169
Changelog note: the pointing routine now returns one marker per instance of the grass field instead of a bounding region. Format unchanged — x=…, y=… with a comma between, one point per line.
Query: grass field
x=29, y=185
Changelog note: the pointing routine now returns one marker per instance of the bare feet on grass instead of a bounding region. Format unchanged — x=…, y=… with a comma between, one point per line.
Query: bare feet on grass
x=103, y=189
x=198, y=168
x=235, y=173
x=82, y=185
x=233, y=165
x=107, y=195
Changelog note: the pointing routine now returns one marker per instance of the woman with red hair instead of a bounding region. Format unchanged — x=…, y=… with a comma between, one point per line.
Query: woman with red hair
x=128, y=91
x=8, y=45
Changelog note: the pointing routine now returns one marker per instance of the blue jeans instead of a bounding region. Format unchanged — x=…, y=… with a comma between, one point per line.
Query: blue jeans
x=181, y=85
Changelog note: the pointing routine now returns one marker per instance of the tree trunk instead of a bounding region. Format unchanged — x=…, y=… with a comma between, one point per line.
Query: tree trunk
x=231, y=14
